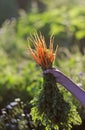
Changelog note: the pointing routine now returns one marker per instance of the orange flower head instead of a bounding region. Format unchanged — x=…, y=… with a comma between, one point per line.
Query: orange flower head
x=42, y=55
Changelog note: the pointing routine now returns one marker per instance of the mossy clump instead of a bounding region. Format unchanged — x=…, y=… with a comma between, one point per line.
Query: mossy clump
x=52, y=109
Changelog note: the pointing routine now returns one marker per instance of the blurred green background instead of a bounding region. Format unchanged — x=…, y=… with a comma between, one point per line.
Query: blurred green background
x=19, y=74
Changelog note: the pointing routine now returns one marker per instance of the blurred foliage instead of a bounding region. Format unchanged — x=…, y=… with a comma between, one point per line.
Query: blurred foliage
x=16, y=116
x=67, y=24
x=8, y=9
x=15, y=77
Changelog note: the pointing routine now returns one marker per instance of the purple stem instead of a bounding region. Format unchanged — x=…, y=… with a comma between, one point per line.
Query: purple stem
x=78, y=92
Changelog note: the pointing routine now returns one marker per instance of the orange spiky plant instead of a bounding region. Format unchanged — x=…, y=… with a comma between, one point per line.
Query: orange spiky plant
x=41, y=54
x=50, y=107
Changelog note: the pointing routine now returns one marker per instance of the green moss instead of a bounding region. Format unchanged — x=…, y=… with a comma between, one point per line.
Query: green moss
x=52, y=109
